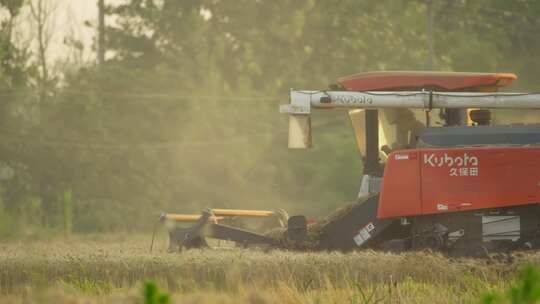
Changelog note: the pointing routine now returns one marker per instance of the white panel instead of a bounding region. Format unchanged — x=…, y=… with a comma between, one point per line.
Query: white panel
x=500, y=227
x=299, y=131
x=358, y=121
x=415, y=99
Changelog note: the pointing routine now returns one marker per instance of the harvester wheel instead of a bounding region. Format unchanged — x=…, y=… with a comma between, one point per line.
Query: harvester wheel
x=434, y=237
x=432, y=241
x=197, y=242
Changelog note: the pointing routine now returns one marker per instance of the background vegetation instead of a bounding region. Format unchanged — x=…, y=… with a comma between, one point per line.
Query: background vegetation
x=183, y=112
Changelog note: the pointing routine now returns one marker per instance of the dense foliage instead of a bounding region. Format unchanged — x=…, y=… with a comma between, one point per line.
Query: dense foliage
x=183, y=114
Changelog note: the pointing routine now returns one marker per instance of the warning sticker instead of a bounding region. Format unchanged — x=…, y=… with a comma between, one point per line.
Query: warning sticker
x=442, y=207
x=364, y=234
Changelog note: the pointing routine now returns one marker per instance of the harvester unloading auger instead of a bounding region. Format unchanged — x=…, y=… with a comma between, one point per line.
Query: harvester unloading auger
x=464, y=187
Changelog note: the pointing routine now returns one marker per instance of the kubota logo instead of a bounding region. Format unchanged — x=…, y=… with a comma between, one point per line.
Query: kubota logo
x=450, y=161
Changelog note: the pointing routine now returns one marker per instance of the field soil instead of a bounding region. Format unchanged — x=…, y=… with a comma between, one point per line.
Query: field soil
x=113, y=269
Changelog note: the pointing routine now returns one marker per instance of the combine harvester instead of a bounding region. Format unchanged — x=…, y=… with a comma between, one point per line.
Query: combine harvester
x=465, y=187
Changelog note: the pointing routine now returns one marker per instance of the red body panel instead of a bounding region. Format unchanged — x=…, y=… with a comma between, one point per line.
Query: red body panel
x=401, y=187
x=440, y=81
x=459, y=179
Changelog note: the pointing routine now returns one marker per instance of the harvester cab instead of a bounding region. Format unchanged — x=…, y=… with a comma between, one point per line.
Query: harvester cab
x=403, y=108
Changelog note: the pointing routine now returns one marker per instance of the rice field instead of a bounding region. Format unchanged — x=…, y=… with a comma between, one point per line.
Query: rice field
x=112, y=269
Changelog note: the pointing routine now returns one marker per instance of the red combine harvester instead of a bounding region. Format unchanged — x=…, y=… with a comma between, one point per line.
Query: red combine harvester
x=464, y=187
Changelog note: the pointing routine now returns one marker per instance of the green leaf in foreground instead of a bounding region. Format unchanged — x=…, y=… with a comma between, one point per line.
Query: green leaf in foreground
x=152, y=295
x=525, y=291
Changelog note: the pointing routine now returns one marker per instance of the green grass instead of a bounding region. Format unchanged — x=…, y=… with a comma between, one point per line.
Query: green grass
x=114, y=269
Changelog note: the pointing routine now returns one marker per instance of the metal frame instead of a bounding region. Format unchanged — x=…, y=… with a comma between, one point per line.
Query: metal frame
x=301, y=102
x=206, y=225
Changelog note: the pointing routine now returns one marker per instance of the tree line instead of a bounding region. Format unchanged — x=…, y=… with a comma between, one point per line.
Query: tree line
x=182, y=114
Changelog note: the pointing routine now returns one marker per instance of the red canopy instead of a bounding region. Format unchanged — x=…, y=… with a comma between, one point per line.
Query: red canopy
x=438, y=81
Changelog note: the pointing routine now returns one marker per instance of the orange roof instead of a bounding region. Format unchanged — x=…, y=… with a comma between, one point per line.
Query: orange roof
x=438, y=81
